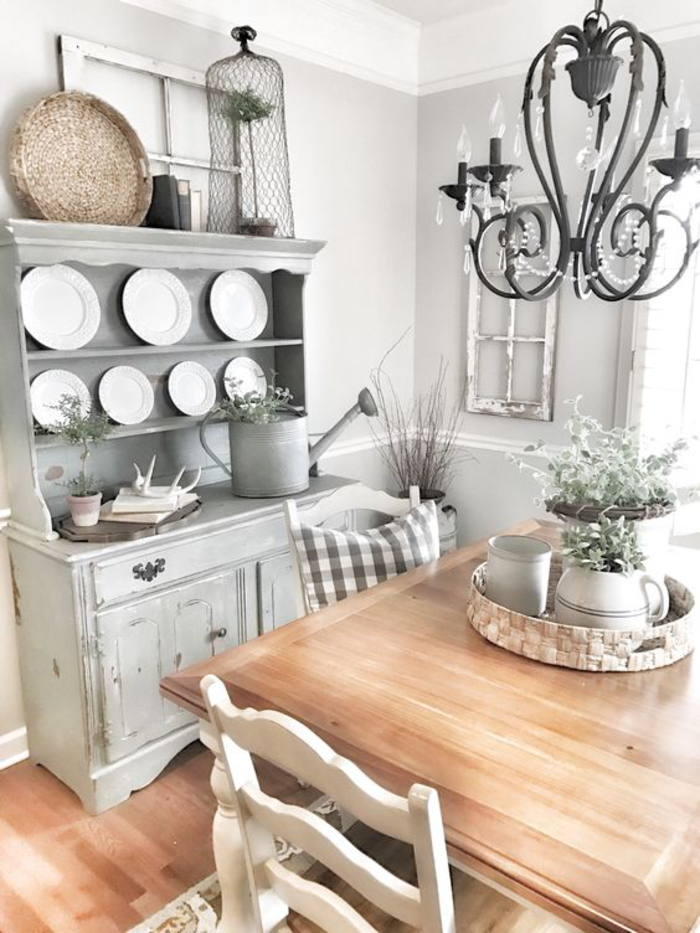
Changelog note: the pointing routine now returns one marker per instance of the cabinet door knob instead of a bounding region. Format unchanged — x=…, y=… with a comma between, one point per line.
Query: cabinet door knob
x=222, y=633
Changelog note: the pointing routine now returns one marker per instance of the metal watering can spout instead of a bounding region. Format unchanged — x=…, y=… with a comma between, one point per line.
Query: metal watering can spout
x=365, y=405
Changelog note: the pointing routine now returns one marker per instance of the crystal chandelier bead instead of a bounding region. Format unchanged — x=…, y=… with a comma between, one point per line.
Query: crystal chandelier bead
x=663, y=141
x=539, y=123
x=518, y=141
x=467, y=259
x=439, y=217
x=637, y=123
x=588, y=159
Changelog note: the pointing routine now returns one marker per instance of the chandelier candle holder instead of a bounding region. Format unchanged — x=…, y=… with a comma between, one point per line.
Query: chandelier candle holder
x=616, y=247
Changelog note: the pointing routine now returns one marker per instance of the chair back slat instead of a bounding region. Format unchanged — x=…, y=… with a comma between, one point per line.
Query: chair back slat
x=283, y=741
x=299, y=751
x=314, y=902
x=328, y=846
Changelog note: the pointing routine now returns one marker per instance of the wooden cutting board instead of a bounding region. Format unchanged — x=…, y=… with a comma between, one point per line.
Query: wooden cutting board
x=105, y=532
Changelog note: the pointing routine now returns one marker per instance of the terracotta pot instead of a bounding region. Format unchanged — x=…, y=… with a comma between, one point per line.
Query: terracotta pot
x=622, y=601
x=85, y=510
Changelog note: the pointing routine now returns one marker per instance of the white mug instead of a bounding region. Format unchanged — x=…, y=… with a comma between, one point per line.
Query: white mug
x=517, y=573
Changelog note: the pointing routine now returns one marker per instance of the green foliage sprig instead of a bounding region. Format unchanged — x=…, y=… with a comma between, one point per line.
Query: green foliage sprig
x=605, y=546
x=80, y=428
x=606, y=468
x=253, y=407
x=247, y=106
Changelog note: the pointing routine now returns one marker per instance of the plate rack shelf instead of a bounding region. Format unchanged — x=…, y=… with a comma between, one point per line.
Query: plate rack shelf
x=106, y=255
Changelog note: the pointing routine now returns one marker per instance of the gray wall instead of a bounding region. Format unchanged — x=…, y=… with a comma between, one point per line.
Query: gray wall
x=489, y=493
x=353, y=161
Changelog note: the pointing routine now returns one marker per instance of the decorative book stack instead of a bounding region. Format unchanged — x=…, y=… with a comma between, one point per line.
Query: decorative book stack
x=131, y=508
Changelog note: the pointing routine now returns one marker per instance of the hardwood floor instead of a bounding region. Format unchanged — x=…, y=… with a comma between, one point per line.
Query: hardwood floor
x=62, y=871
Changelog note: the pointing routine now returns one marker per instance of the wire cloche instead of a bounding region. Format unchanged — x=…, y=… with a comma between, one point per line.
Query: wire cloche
x=249, y=188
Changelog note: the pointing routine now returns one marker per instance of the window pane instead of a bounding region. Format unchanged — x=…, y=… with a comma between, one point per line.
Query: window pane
x=492, y=370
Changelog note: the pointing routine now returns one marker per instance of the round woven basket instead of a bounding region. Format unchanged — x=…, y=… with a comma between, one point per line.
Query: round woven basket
x=585, y=649
x=75, y=158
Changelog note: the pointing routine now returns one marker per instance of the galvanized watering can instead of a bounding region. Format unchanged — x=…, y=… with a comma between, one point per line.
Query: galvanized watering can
x=274, y=459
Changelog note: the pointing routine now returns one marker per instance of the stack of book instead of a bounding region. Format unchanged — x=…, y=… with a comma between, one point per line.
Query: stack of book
x=174, y=205
x=128, y=507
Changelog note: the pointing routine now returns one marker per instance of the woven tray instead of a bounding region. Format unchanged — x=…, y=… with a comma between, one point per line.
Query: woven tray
x=585, y=649
x=75, y=158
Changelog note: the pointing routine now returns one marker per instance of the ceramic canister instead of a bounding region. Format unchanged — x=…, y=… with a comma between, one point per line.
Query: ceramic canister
x=517, y=573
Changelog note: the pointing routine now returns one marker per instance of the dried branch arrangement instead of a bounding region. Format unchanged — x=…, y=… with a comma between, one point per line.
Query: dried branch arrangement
x=418, y=440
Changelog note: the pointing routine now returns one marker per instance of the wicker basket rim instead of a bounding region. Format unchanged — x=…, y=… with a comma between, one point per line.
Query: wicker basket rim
x=660, y=629
x=571, y=510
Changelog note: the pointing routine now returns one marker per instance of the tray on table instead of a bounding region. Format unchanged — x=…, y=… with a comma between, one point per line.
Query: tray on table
x=585, y=649
x=106, y=532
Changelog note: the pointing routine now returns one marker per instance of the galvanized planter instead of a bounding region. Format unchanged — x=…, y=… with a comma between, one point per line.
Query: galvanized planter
x=267, y=460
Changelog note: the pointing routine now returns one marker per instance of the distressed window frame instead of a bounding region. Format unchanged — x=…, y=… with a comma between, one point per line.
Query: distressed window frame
x=508, y=406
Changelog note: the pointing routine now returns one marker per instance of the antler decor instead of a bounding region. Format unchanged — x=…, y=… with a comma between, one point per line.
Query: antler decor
x=141, y=486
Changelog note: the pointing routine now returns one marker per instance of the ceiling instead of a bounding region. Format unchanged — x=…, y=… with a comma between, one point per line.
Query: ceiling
x=433, y=11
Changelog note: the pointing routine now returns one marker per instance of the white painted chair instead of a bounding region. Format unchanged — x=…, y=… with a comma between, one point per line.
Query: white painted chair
x=355, y=498
x=416, y=820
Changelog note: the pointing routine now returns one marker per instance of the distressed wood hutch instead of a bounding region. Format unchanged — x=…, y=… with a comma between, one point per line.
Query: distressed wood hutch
x=96, y=634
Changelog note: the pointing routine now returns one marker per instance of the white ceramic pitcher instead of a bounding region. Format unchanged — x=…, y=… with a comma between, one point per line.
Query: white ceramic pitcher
x=594, y=599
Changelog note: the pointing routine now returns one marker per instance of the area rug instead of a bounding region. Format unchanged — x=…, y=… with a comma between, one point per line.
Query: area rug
x=199, y=909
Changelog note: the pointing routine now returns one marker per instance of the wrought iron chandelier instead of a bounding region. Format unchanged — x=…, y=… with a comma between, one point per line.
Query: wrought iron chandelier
x=616, y=247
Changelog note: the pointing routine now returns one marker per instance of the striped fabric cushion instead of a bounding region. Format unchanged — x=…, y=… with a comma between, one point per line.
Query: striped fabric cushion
x=335, y=564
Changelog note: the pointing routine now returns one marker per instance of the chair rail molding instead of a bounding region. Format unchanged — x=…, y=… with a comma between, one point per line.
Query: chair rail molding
x=355, y=37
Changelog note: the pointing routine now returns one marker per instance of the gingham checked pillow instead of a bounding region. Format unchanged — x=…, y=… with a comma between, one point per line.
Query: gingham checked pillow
x=335, y=564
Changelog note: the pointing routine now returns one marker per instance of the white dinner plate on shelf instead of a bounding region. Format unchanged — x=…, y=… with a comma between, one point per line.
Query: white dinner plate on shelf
x=60, y=308
x=126, y=395
x=49, y=387
x=191, y=388
x=247, y=375
x=157, y=306
x=238, y=305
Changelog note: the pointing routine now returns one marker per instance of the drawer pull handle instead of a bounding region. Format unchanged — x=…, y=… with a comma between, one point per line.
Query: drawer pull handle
x=222, y=633
x=150, y=571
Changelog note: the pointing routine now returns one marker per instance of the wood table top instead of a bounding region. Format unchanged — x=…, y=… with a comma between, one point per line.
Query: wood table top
x=579, y=791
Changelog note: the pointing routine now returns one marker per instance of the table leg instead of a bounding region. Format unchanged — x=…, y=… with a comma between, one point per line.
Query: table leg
x=237, y=914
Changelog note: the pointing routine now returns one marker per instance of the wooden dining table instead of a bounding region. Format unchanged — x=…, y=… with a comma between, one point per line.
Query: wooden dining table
x=578, y=793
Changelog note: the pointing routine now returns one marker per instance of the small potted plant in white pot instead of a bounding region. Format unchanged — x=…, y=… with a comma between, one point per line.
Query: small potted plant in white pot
x=78, y=426
x=608, y=473
x=605, y=585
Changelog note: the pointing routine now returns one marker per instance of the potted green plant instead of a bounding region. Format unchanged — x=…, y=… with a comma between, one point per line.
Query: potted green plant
x=604, y=585
x=268, y=441
x=244, y=108
x=78, y=427
x=608, y=473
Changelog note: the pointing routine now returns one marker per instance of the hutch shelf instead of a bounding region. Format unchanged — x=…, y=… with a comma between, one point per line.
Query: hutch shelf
x=97, y=630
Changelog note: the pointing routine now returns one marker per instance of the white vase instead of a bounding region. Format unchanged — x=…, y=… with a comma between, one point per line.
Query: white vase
x=85, y=510
x=653, y=535
x=593, y=599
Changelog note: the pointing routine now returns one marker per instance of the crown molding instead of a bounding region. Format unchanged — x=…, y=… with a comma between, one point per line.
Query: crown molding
x=356, y=37
x=451, y=55
x=366, y=40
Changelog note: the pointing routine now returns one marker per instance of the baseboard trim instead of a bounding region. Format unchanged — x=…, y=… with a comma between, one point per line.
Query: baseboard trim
x=13, y=747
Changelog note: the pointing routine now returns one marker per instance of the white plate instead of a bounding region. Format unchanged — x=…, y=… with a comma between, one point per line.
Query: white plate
x=238, y=305
x=248, y=374
x=49, y=387
x=60, y=307
x=157, y=306
x=192, y=388
x=126, y=395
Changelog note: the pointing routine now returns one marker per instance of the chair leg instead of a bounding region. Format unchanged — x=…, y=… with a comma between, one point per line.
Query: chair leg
x=236, y=901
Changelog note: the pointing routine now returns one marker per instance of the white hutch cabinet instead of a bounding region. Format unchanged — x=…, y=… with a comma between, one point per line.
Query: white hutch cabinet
x=100, y=625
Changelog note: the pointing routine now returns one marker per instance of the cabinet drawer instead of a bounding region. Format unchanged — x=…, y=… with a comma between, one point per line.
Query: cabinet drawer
x=160, y=564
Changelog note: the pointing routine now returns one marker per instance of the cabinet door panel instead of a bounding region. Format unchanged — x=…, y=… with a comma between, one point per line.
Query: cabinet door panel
x=277, y=602
x=142, y=643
